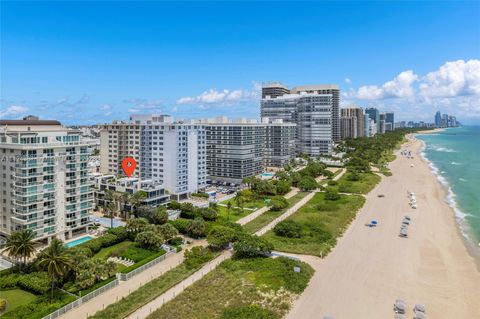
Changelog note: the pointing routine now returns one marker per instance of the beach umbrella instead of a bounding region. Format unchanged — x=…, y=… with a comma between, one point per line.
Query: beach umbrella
x=374, y=222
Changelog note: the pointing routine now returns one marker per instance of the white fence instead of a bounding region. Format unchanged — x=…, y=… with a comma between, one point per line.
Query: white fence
x=120, y=277
x=127, y=276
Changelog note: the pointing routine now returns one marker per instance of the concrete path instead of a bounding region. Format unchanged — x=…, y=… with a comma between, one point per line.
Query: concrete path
x=126, y=287
x=170, y=294
x=289, y=212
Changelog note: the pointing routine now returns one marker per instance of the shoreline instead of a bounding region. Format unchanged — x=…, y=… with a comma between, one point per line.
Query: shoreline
x=370, y=268
x=464, y=230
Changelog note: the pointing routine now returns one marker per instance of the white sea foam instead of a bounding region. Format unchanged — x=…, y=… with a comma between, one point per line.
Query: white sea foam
x=442, y=149
x=450, y=198
x=462, y=179
x=455, y=163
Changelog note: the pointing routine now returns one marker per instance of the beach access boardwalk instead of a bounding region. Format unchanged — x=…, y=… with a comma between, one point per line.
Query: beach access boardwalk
x=372, y=267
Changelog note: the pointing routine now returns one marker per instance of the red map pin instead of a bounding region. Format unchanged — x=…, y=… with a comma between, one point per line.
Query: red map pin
x=129, y=164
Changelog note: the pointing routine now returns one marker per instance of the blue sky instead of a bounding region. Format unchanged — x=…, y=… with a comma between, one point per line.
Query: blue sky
x=91, y=62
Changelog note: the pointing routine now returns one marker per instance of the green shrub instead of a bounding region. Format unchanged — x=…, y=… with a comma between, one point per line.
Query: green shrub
x=220, y=236
x=181, y=225
x=150, y=239
x=249, y=246
x=353, y=177
x=332, y=195
x=247, y=312
x=307, y=183
x=278, y=203
x=174, y=205
x=9, y=281
x=283, y=187
x=108, y=240
x=36, y=282
x=176, y=241
x=208, y=213
x=332, y=183
x=196, y=228
x=143, y=262
x=3, y=305
x=161, y=216
x=288, y=228
x=121, y=233
x=196, y=256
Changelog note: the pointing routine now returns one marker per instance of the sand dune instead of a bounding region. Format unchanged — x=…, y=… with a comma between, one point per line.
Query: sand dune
x=371, y=267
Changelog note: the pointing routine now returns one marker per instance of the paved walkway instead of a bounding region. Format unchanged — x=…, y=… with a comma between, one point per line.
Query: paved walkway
x=126, y=287
x=170, y=294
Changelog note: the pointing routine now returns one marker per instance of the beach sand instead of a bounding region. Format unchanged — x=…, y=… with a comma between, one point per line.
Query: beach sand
x=371, y=267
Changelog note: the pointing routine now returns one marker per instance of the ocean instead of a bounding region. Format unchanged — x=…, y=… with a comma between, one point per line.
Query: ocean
x=454, y=156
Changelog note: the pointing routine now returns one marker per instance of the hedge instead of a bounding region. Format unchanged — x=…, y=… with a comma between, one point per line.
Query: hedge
x=36, y=282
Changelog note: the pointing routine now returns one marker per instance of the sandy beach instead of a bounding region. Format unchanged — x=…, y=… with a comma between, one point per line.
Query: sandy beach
x=371, y=267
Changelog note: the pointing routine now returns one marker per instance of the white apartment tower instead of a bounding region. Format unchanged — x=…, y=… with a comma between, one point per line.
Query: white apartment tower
x=315, y=109
x=45, y=182
x=172, y=153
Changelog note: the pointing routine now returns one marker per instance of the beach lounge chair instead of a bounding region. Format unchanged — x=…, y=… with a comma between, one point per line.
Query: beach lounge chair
x=399, y=316
x=419, y=308
x=420, y=315
x=399, y=306
x=403, y=233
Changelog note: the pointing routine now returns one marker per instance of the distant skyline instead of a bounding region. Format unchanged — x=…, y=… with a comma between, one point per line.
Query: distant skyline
x=92, y=62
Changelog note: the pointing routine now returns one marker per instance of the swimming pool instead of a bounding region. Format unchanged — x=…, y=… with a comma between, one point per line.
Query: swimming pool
x=78, y=241
x=266, y=174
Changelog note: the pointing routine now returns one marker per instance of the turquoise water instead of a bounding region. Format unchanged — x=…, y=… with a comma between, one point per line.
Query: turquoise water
x=454, y=156
x=267, y=174
x=78, y=241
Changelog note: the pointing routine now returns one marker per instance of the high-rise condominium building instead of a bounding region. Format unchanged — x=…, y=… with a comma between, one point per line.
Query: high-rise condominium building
x=438, y=119
x=382, y=122
x=45, y=183
x=172, y=153
x=349, y=129
x=235, y=150
x=389, y=121
x=279, y=143
x=315, y=110
x=374, y=114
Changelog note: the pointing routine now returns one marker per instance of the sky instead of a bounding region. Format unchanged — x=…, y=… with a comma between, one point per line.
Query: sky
x=92, y=62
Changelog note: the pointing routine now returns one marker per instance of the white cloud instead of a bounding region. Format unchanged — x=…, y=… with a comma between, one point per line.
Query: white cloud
x=105, y=107
x=348, y=81
x=455, y=78
x=214, y=96
x=452, y=88
x=399, y=87
x=13, y=110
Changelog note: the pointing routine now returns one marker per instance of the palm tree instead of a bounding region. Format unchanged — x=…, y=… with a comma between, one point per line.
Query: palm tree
x=229, y=206
x=20, y=245
x=56, y=260
x=110, y=204
x=136, y=199
x=239, y=201
x=125, y=199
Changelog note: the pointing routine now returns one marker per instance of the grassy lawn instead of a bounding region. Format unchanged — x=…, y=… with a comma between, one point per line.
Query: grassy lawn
x=235, y=214
x=267, y=217
x=322, y=222
x=35, y=308
x=16, y=298
x=104, y=253
x=147, y=293
x=366, y=183
x=269, y=283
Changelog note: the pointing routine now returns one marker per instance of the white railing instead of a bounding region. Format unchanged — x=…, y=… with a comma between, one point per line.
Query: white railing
x=120, y=277
x=127, y=276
